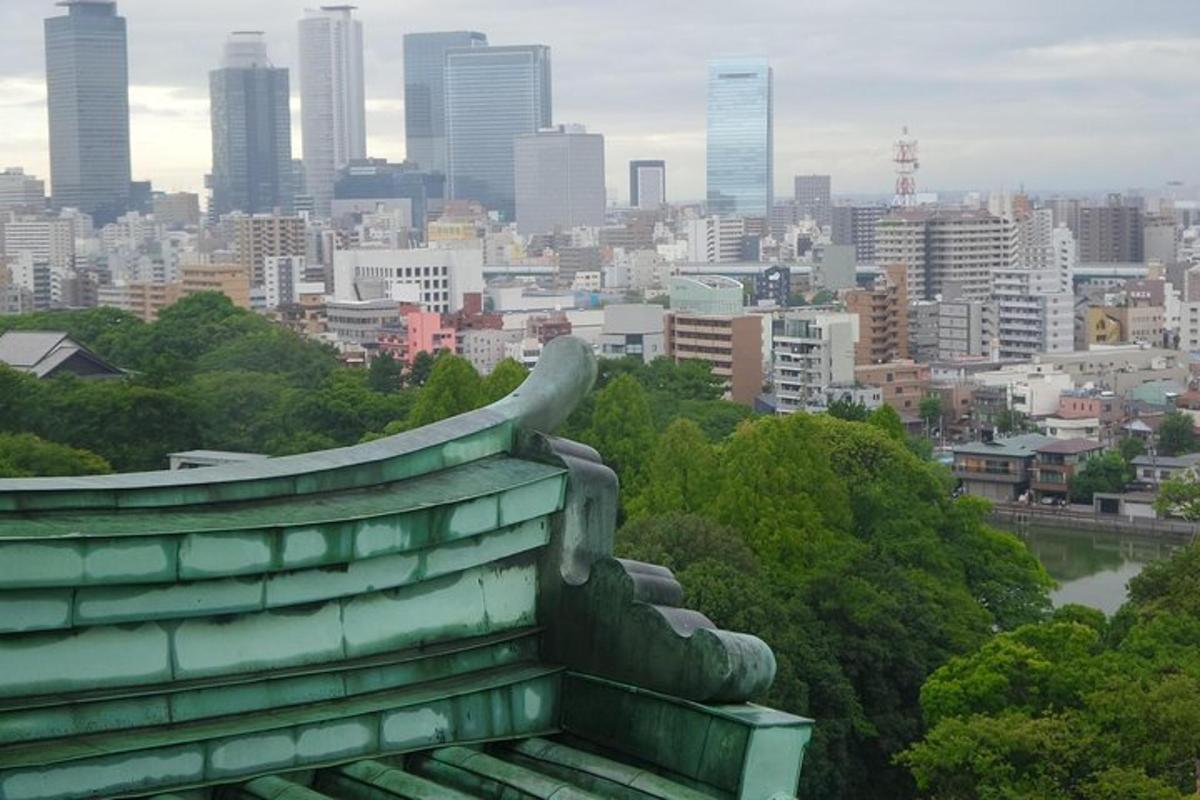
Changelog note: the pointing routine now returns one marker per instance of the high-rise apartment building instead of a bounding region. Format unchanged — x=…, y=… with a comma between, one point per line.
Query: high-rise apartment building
x=741, y=146
x=966, y=329
x=46, y=241
x=1111, y=233
x=87, y=95
x=493, y=95
x=813, y=194
x=425, y=94
x=251, y=130
x=261, y=236
x=559, y=179
x=882, y=312
x=21, y=192
x=332, y=99
x=714, y=240
x=855, y=225
x=647, y=184
x=707, y=323
x=947, y=249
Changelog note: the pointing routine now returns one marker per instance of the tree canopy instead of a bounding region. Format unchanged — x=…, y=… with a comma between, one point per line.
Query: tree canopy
x=1177, y=434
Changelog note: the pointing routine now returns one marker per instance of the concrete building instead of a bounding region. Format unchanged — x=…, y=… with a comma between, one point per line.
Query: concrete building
x=493, y=94
x=486, y=347
x=854, y=226
x=559, y=179
x=87, y=95
x=425, y=94
x=251, y=130
x=422, y=332
x=21, y=193
x=177, y=210
x=436, y=280
x=1034, y=313
x=282, y=279
x=47, y=240
x=707, y=294
x=731, y=344
x=42, y=282
x=647, y=184
x=361, y=321
x=714, y=239
x=812, y=352
x=882, y=312
x=945, y=248
x=633, y=331
x=231, y=280
x=1160, y=236
x=904, y=384
x=967, y=329
x=144, y=299
x=261, y=236
x=369, y=184
x=813, y=195
x=332, y=98
x=924, y=329
x=1111, y=233
x=740, y=155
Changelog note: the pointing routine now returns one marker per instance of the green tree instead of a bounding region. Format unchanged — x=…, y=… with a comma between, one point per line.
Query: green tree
x=1177, y=434
x=680, y=474
x=622, y=429
x=420, y=369
x=1103, y=473
x=386, y=374
x=1130, y=448
x=1180, y=497
x=24, y=455
x=503, y=380
x=1009, y=421
x=887, y=419
x=930, y=411
x=847, y=409
x=454, y=387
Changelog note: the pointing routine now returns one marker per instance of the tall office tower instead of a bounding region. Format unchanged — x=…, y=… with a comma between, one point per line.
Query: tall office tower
x=332, y=104
x=647, y=184
x=493, y=94
x=947, y=250
x=1111, y=233
x=87, y=93
x=741, y=146
x=559, y=179
x=251, y=130
x=425, y=94
x=855, y=225
x=814, y=198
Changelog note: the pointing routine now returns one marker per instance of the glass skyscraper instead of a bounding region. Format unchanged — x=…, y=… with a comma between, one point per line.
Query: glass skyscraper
x=424, y=94
x=493, y=94
x=251, y=129
x=741, y=146
x=87, y=89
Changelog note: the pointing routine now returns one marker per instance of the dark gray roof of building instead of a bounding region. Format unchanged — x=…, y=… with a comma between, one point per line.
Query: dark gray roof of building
x=1020, y=446
x=1069, y=446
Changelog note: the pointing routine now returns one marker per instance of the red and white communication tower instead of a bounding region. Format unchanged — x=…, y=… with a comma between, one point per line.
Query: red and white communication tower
x=904, y=154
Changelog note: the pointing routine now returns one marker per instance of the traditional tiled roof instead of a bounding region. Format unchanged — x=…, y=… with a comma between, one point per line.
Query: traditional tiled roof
x=1021, y=446
x=434, y=614
x=1070, y=446
x=45, y=352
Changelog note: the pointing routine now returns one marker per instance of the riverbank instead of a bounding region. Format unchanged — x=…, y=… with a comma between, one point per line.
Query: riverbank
x=1019, y=516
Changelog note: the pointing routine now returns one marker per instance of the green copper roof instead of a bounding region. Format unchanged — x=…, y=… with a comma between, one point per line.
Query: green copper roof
x=436, y=614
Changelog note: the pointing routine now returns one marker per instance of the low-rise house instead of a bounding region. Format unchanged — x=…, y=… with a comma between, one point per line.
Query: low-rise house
x=1001, y=469
x=1055, y=463
x=1152, y=470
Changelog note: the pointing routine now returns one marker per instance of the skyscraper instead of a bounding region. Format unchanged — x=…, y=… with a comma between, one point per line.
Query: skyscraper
x=332, y=104
x=647, y=184
x=251, y=129
x=741, y=147
x=559, y=179
x=493, y=94
x=87, y=92
x=424, y=94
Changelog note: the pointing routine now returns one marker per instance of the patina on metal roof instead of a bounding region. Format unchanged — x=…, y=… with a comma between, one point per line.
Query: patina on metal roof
x=436, y=614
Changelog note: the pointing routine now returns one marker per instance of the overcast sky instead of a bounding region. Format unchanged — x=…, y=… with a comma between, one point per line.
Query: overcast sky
x=1052, y=94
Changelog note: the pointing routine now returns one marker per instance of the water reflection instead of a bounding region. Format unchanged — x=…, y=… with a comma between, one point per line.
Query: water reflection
x=1093, y=569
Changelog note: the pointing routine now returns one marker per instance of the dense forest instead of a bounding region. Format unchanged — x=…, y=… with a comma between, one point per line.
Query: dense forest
x=920, y=639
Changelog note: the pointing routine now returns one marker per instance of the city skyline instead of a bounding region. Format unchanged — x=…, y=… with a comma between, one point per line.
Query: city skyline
x=842, y=92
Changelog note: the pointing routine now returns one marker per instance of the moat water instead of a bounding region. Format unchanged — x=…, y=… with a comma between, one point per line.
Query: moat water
x=1093, y=568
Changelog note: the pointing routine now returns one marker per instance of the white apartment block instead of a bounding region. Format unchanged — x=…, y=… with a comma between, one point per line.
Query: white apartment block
x=714, y=240
x=47, y=241
x=811, y=351
x=1034, y=315
x=282, y=278
x=947, y=250
x=21, y=192
x=433, y=279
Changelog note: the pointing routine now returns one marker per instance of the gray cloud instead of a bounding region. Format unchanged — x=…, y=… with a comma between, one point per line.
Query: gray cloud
x=1072, y=94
